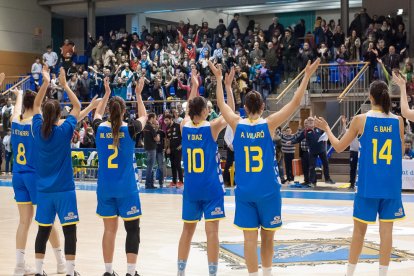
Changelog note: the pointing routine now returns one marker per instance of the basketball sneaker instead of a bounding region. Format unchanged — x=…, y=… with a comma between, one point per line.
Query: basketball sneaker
x=43, y=274
x=136, y=274
x=61, y=268
x=109, y=274
x=74, y=274
x=23, y=269
x=180, y=184
x=172, y=185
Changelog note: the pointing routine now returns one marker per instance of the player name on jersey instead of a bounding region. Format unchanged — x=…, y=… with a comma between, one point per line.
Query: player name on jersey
x=108, y=135
x=383, y=128
x=195, y=137
x=20, y=132
x=252, y=135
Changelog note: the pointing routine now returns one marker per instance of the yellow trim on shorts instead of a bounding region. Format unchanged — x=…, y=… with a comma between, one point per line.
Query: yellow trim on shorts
x=392, y=220
x=214, y=219
x=190, y=221
x=272, y=229
x=70, y=223
x=106, y=217
x=133, y=218
x=43, y=224
x=24, y=203
x=246, y=229
x=364, y=221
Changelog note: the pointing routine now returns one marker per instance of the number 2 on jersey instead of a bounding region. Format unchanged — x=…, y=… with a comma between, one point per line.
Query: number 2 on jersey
x=258, y=157
x=384, y=153
x=192, y=164
x=21, y=151
x=112, y=157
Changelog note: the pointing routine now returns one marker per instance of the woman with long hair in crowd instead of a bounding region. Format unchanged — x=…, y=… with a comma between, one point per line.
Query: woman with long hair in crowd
x=381, y=139
x=258, y=199
x=117, y=190
x=203, y=188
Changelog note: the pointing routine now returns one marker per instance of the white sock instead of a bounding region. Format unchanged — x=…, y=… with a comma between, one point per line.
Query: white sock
x=60, y=258
x=39, y=266
x=350, y=269
x=108, y=268
x=267, y=271
x=131, y=269
x=383, y=270
x=70, y=268
x=254, y=274
x=19, y=256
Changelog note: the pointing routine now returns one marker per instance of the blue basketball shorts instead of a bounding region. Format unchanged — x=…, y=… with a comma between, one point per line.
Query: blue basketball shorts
x=128, y=207
x=24, y=186
x=63, y=204
x=262, y=213
x=366, y=210
x=193, y=210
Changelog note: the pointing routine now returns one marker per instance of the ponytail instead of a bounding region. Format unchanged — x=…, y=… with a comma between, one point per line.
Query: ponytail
x=379, y=91
x=116, y=111
x=51, y=114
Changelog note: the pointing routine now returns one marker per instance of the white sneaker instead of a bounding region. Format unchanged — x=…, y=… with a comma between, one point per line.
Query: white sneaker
x=61, y=268
x=23, y=269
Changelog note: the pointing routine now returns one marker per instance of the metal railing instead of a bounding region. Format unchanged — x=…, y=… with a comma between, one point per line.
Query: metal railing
x=12, y=82
x=335, y=77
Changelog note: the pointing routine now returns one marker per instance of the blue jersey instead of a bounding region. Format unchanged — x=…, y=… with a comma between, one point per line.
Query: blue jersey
x=22, y=142
x=54, y=161
x=116, y=175
x=202, y=171
x=380, y=157
x=257, y=175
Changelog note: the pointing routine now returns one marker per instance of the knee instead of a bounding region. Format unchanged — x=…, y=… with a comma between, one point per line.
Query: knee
x=25, y=222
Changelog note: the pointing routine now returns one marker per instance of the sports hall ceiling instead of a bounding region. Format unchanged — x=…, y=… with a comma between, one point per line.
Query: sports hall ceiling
x=78, y=8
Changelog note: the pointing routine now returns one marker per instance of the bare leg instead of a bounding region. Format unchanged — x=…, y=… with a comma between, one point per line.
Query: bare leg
x=185, y=240
x=212, y=228
x=266, y=252
x=108, y=240
x=26, y=216
x=250, y=250
x=386, y=242
x=358, y=236
x=54, y=237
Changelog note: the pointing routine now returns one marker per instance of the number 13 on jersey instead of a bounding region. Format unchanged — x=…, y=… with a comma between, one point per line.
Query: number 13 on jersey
x=385, y=152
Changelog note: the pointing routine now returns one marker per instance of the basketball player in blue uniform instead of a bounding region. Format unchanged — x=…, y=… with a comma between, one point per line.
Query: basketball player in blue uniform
x=24, y=173
x=55, y=184
x=258, y=199
x=379, y=182
x=203, y=182
x=117, y=190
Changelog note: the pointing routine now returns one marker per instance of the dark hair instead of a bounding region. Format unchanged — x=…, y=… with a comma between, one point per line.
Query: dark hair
x=221, y=20
x=116, y=110
x=196, y=106
x=28, y=101
x=254, y=102
x=168, y=116
x=236, y=14
x=151, y=116
x=51, y=114
x=379, y=91
x=48, y=47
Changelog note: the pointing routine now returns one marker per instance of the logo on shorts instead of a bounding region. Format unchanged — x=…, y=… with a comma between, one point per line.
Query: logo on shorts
x=276, y=220
x=399, y=213
x=217, y=211
x=71, y=216
x=133, y=211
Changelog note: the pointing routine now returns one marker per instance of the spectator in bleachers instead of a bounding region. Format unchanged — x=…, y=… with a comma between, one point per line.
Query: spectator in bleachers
x=50, y=58
x=158, y=35
x=160, y=154
x=151, y=137
x=288, y=150
x=173, y=149
x=234, y=23
x=36, y=70
x=8, y=152
x=85, y=85
x=275, y=26
x=338, y=39
x=6, y=113
x=305, y=54
x=289, y=48
x=68, y=49
x=211, y=112
x=391, y=60
x=353, y=43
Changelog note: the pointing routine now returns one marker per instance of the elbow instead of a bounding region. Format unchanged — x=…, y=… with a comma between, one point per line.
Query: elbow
x=338, y=149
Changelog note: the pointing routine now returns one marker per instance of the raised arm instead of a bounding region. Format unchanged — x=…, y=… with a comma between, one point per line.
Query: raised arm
x=100, y=110
x=193, y=94
x=226, y=111
x=277, y=118
x=341, y=144
x=142, y=112
x=42, y=91
x=406, y=112
x=93, y=104
x=18, y=105
x=76, y=106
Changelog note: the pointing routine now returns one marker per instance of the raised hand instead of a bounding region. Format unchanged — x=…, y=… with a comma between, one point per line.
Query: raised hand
x=16, y=91
x=106, y=82
x=194, y=78
x=216, y=70
x=95, y=101
x=45, y=73
x=321, y=123
x=2, y=77
x=311, y=68
x=139, y=85
x=228, y=80
x=62, y=77
x=399, y=80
